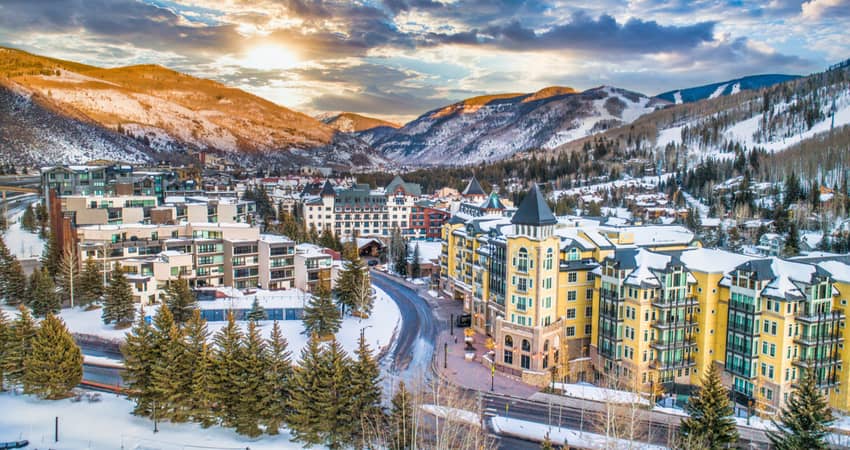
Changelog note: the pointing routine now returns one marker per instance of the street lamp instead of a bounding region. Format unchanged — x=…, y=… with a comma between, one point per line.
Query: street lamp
x=492, y=376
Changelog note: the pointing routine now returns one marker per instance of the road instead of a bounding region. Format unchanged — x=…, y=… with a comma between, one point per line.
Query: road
x=410, y=357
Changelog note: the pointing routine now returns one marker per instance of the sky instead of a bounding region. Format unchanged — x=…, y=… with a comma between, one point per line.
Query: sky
x=397, y=59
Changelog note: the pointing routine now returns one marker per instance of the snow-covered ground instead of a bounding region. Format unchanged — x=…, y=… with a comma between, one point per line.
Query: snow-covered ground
x=590, y=392
x=649, y=182
x=379, y=327
x=453, y=414
x=108, y=425
x=538, y=431
x=22, y=243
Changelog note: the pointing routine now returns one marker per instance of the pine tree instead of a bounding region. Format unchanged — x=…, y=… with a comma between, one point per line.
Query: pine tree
x=401, y=426
x=792, y=241
x=42, y=218
x=415, y=268
x=365, y=387
x=710, y=424
x=139, y=354
x=321, y=316
x=55, y=365
x=547, y=443
x=278, y=376
x=250, y=382
x=51, y=255
x=804, y=422
x=180, y=300
x=349, y=285
x=228, y=363
x=118, y=302
x=5, y=261
x=336, y=398
x=28, y=219
x=91, y=283
x=257, y=312
x=305, y=412
x=68, y=276
x=202, y=410
x=43, y=298
x=16, y=283
x=171, y=378
x=21, y=334
x=5, y=338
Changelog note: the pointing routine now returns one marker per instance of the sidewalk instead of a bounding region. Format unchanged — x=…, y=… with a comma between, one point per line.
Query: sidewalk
x=473, y=374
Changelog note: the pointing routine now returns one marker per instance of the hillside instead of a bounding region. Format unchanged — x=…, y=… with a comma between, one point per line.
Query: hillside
x=348, y=122
x=494, y=127
x=729, y=87
x=165, y=108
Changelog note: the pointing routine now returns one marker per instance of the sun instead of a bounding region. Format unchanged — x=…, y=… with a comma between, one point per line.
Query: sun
x=269, y=57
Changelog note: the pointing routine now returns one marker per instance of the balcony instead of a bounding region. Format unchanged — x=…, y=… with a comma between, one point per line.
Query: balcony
x=681, y=363
x=743, y=307
x=675, y=322
x=685, y=301
x=819, y=340
x=820, y=317
x=829, y=360
x=673, y=344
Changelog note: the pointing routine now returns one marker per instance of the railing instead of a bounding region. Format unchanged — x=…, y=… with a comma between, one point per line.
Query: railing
x=685, y=301
x=674, y=343
x=675, y=322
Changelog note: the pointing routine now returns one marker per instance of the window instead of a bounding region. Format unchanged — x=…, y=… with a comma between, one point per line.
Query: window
x=509, y=342
x=571, y=331
x=547, y=263
x=525, y=361
x=588, y=294
x=526, y=346
x=588, y=329
x=572, y=277
x=509, y=357
x=571, y=313
x=571, y=296
x=522, y=260
x=588, y=311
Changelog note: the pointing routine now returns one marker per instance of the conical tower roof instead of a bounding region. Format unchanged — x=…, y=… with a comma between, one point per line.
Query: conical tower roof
x=493, y=202
x=473, y=188
x=533, y=210
x=327, y=189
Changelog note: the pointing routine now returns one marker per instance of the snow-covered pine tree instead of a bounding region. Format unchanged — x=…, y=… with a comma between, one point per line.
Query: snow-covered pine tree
x=305, y=412
x=402, y=430
x=257, y=312
x=347, y=287
x=68, y=276
x=805, y=420
x=366, y=389
x=321, y=316
x=710, y=424
x=51, y=255
x=43, y=298
x=138, y=351
x=55, y=365
x=21, y=334
x=118, y=305
x=91, y=283
x=228, y=359
x=250, y=382
x=180, y=300
x=28, y=219
x=161, y=337
x=5, y=260
x=202, y=397
x=278, y=376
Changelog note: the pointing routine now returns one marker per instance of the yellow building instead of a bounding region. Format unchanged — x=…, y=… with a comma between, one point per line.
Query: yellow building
x=644, y=307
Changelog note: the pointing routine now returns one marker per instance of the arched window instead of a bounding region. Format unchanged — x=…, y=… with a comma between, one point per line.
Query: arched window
x=526, y=346
x=522, y=260
x=547, y=264
x=509, y=342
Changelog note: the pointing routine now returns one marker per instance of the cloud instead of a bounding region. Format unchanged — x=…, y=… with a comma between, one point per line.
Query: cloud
x=818, y=9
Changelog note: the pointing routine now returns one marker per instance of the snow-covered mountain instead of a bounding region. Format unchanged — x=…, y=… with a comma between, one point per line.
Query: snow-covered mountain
x=349, y=122
x=166, y=109
x=730, y=87
x=494, y=127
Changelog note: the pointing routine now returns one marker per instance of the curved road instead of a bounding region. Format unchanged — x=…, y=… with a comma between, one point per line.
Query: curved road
x=411, y=354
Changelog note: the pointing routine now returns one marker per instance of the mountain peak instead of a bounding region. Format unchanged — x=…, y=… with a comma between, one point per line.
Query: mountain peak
x=551, y=91
x=349, y=122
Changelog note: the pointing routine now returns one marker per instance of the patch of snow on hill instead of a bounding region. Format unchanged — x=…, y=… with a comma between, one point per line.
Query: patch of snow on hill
x=735, y=89
x=719, y=91
x=677, y=97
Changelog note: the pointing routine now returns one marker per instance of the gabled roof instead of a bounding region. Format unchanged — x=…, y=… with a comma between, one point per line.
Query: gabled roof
x=409, y=188
x=328, y=189
x=473, y=188
x=533, y=210
x=492, y=202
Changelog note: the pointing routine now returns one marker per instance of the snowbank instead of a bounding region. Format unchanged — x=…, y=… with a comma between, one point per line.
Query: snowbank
x=453, y=414
x=538, y=431
x=108, y=425
x=22, y=243
x=598, y=394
